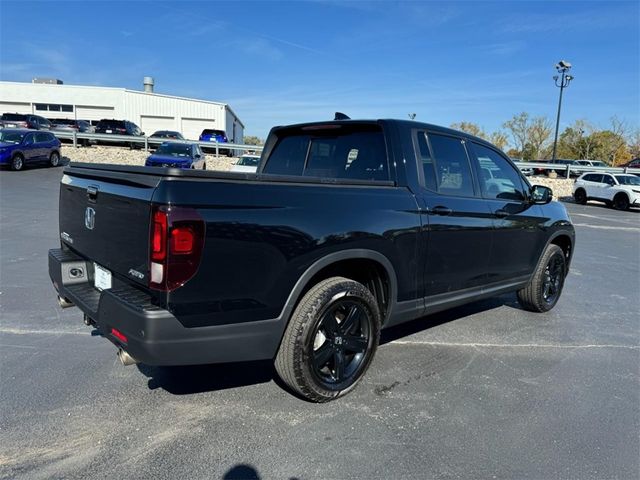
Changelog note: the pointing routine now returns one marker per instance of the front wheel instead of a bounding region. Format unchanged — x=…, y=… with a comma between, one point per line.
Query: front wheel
x=621, y=202
x=544, y=289
x=580, y=196
x=330, y=340
x=17, y=162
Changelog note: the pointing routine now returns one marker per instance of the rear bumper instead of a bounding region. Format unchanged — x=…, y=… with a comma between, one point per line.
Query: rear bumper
x=154, y=335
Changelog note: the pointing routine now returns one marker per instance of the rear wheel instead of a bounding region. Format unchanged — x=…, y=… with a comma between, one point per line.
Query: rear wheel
x=17, y=162
x=580, y=196
x=54, y=159
x=544, y=289
x=621, y=202
x=330, y=340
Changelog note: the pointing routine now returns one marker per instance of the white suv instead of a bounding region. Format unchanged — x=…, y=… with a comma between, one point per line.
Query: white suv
x=616, y=190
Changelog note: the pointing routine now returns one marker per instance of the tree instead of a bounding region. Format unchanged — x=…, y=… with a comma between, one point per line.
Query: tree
x=538, y=132
x=470, y=128
x=518, y=127
x=251, y=140
x=499, y=139
x=634, y=143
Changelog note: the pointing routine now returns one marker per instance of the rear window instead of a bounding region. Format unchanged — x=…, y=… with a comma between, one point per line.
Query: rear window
x=343, y=151
x=212, y=132
x=111, y=123
x=14, y=116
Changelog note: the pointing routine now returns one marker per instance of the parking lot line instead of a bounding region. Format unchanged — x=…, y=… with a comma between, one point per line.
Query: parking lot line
x=509, y=345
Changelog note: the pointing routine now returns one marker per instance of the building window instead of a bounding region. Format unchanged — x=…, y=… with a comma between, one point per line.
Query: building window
x=53, y=107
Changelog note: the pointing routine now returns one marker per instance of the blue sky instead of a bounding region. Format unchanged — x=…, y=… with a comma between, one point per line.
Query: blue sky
x=285, y=62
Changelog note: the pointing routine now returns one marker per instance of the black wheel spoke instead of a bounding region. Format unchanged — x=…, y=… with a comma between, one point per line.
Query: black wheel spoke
x=338, y=368
x=355, y=344
x=350, y=320
x=329, y=323
x=322, y=355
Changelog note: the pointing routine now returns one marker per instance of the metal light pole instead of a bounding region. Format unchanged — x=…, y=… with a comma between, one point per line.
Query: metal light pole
x=564, y=79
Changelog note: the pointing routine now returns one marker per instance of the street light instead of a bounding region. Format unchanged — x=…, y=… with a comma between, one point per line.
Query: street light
x=562, y=81
x=412, y=116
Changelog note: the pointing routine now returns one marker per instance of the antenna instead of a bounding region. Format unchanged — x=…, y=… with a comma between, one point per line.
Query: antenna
x=341, y=116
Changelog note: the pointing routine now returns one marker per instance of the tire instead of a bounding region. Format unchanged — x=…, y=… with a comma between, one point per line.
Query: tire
x=54, y=159
x=321, y=357
x=580, y=196
x=204, y=166
x=545, y=287
x=621, y=202
x=17, y=162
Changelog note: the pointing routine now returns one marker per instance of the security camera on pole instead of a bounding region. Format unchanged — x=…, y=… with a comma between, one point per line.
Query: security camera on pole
x=562, y=81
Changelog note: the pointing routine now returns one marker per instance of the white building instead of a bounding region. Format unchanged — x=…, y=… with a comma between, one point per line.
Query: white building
x=150, y=111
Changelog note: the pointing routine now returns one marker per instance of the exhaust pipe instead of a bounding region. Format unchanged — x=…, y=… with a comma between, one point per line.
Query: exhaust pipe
x=125, y=358
x=64, y=303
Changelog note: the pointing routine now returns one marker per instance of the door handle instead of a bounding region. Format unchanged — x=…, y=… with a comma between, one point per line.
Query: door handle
x=501, y=213
x=440, y=210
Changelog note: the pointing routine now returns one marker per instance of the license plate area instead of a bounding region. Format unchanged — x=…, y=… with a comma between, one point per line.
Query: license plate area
x=101, y=277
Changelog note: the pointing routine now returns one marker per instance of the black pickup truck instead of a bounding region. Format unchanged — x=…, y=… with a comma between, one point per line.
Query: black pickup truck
x=347, y=227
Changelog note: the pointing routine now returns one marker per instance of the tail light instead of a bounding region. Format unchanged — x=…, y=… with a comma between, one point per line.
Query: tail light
x=176, y=243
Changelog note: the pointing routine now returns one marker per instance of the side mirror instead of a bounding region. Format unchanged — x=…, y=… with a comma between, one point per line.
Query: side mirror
x=541, y=195
x=198, y=155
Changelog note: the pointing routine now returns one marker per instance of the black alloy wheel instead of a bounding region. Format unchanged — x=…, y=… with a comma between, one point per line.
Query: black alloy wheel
x=340, y=340
x=580, y=196
x=621, y=202
x=545, y=287
x=330, y=340
x=553, y=278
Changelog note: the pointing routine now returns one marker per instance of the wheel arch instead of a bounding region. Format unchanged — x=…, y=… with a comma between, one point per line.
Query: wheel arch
x=354, y=264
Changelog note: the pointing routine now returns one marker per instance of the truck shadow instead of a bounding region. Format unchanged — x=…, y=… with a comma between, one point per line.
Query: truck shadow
x=192, y=379
x=187, y=380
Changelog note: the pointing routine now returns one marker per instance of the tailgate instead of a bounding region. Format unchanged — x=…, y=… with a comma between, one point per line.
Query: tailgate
x=105, y=218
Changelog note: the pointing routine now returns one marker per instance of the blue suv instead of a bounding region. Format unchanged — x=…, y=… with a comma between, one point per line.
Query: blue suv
x=177, y=155
x=210, y=135
x=19, y=147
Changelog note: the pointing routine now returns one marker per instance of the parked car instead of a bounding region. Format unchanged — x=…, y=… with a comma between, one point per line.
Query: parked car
x=177, y=155
x=635, y=163
x=67, y=125
x=593, y=163
x=563, y=171
x=616, y=190
x=20, y=120
x=305, y=262
x=19, y=147
x=163, y=136
x=210, y=135
x=246, y=163
x=119, y=127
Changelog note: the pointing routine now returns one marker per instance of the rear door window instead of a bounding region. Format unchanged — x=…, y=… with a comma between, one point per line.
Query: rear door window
x=42, y=137
x=343, y=152
x=453, y=172
x=593, y=177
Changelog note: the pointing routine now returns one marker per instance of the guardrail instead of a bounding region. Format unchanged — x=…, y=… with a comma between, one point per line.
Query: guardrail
x=568, y=170
x=77, y=139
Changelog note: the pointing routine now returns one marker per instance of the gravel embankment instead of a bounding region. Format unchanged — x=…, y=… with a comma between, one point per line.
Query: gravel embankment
x=125, y=156
x=562, y=187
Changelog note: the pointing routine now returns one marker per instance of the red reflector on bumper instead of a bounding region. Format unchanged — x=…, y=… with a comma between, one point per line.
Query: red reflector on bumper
x=119, y=335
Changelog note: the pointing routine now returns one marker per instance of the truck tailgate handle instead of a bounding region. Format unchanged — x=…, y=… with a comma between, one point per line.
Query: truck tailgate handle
x=92, y=193
x=440, y=210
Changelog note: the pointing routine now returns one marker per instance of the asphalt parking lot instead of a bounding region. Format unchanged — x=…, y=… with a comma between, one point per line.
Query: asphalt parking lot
x=483, y=391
